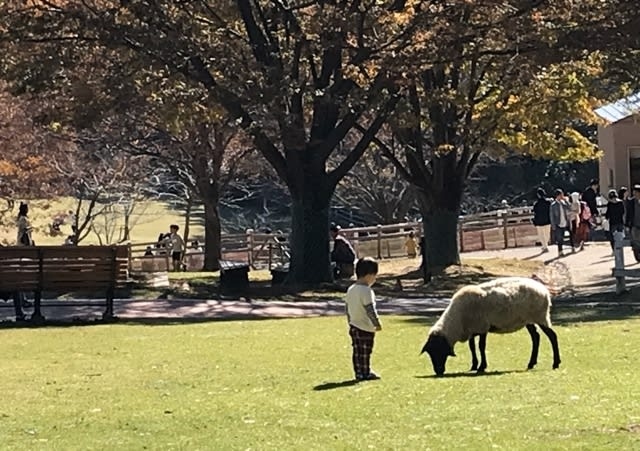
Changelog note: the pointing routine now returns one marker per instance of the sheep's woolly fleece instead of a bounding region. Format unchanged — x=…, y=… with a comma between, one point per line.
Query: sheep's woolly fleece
x=503, y=305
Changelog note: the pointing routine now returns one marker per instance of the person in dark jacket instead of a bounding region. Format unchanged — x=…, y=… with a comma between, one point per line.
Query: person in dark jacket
x=342, y=255
x=632, y=221
x=590, y=195
x=541, y=218
x=559, y=215
x=615, y=215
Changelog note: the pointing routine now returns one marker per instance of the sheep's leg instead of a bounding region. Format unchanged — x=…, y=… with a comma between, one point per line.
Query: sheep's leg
x=535, y=345
x=553, y=338
x=472, y=348
x=482, y=344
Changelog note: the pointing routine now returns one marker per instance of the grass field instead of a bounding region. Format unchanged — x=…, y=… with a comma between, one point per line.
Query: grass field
x=280, y=385
x=150, y=218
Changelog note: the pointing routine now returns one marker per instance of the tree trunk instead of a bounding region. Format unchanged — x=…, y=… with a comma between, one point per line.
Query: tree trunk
x=440, y=222
x=212, y=231
x=310, y=253
x=187, y=220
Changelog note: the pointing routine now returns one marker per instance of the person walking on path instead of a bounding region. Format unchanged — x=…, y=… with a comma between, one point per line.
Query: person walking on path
x=633, y=221
x=541, y=218
x=363, y=318
x=574, y=218
x=615, y=215
x=559, y=215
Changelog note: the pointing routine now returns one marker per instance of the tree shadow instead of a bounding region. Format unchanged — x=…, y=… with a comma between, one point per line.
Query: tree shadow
x=470, y=374
x=334, y=385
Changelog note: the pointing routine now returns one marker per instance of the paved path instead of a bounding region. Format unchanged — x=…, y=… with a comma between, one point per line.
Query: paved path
x=588, y=270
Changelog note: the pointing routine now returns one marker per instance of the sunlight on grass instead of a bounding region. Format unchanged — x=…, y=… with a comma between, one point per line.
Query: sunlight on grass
x=149, y=219
x=226, y=385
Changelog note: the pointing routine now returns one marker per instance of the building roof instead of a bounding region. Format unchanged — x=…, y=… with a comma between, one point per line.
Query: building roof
x=621, y=109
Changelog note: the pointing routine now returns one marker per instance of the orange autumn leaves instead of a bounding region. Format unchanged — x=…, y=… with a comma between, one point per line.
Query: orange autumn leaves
x=25, y=169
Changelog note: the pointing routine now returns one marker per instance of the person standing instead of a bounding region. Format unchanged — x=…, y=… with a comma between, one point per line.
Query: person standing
x=633, y=221
x=342, y=255
x=411, y=245
x=574, y=218
x=24, y=226
x=24, y=238
x=175, y=243
x=590, y=196
x=615, y=215
x=559, y=215
x=362, y=318
x=541, y=218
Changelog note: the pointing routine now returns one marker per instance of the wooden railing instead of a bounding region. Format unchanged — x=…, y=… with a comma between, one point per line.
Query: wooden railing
x=486, y=231
x=258, y=249
x=619, y=271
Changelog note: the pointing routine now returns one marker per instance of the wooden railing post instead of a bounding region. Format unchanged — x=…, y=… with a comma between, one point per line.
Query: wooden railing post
x=461, y=235
x=356, y=243
x=250, y=246
x=505, y=230
x=379, y=241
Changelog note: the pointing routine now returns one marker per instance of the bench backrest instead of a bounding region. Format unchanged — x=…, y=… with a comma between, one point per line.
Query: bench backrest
x=51, y=268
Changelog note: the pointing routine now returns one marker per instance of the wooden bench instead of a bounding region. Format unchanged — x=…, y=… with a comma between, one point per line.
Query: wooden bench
x=61, y=269
x=234, y=275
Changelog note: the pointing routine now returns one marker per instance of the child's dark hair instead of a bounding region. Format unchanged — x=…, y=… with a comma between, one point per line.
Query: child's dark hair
x=366, y=267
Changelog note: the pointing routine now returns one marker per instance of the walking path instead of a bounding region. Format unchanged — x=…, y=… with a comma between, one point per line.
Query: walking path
x=588, y=271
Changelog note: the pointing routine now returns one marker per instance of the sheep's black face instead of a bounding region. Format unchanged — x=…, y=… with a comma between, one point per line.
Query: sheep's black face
x=439, y=350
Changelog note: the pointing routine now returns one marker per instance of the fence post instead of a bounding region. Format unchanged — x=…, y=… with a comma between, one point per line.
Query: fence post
x=379, y=242
x=618, y=254
x=356, y=243
x=250, y=246
x=505, y=230
x=461, y=236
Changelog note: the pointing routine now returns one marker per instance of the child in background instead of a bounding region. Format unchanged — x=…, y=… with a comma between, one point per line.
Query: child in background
x=175, y=244
x=411, y=245
x=363, y=318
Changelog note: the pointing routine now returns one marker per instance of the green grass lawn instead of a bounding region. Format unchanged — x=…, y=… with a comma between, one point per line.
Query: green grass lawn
x=148, y=220
x=250, y=385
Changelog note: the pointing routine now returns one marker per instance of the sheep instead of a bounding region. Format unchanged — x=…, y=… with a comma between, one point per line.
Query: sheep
x=503, y=305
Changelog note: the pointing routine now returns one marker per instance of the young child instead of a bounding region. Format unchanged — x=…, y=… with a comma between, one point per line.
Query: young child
x=363, y=318
x=411, y=245
x=176, y=244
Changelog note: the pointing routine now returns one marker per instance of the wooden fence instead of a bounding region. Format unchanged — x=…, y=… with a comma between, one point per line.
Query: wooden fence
x=488, y=231
x=259, y=250
x=619, y=270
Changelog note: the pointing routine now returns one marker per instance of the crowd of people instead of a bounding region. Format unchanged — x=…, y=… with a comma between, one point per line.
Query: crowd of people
x=575, y=216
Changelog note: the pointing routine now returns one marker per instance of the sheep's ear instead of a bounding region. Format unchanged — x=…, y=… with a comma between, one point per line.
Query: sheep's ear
x=426, y=347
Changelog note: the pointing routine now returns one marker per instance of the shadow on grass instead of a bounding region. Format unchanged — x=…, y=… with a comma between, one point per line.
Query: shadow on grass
x=334, y=385
x=471, y=374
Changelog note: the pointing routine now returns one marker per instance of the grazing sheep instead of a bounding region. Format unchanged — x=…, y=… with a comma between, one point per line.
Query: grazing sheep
x=503, y=305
